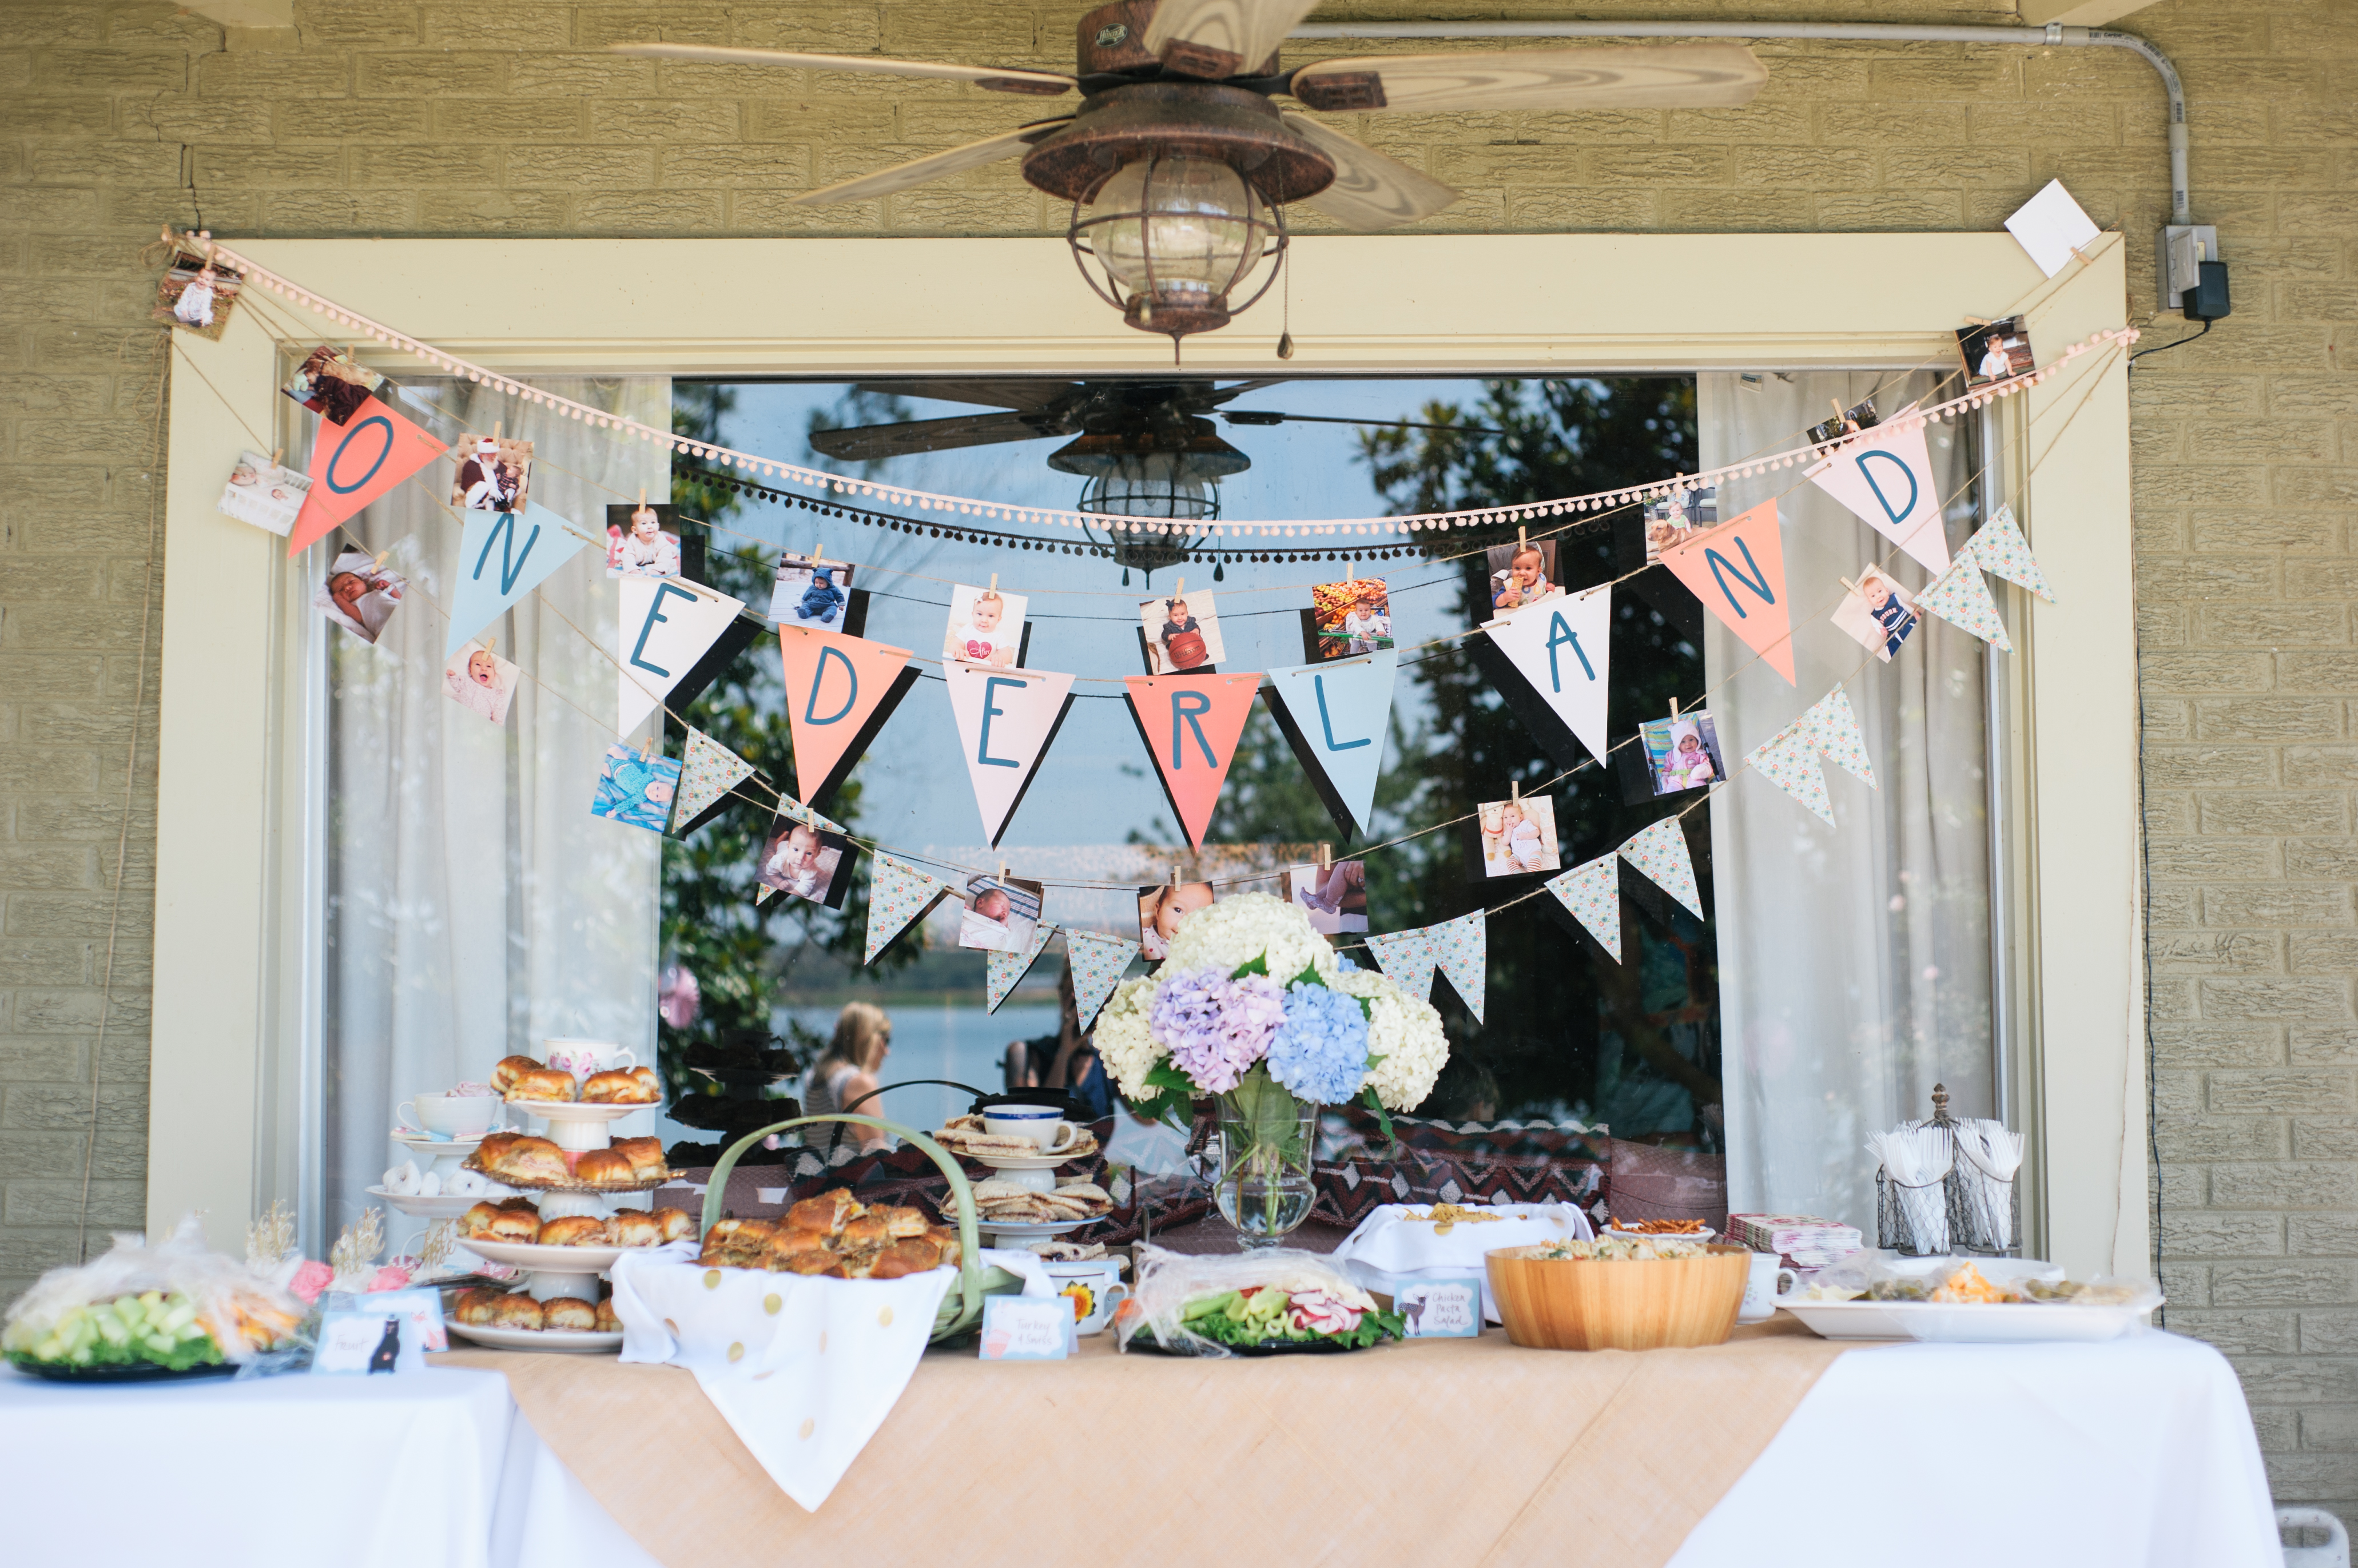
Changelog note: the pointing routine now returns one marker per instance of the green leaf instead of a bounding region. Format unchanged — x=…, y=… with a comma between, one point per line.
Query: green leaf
x=1308, y=977
x=1383, y=1117
x=1255, y=965
x=1367, y=1008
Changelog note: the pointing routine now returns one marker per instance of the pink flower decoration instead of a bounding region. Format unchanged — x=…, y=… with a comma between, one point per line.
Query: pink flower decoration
x=392, y=1277
x=310, y=1280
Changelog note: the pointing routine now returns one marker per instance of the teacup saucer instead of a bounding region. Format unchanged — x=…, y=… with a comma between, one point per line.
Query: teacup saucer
x=442, y=1206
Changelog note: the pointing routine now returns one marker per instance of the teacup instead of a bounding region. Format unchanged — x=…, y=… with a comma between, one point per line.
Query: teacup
x=583, y=1057
x=1044, y=1125
x=450, y=1115
x=1095, y=1289
x=1762, y=1286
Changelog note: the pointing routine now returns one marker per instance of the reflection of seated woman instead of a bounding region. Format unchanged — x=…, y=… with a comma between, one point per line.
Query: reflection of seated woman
x=1067, y=1060
x=847, y=1071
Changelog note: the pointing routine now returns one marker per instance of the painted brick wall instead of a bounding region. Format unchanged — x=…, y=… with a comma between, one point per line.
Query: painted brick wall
x=375, y=118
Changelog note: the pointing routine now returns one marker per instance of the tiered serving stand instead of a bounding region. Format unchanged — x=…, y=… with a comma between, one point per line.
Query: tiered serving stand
x=1037, y=1172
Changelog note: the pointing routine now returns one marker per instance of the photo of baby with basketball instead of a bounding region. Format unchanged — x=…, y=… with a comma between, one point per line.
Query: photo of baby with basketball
x=1182, y=634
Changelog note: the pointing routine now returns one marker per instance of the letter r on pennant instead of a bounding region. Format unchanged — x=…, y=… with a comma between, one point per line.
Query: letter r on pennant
x=1188, y=708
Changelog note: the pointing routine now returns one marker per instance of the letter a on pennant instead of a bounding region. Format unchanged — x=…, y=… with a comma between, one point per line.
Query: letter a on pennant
x=1738, y=569
x=353, y=464
x=1006, y=719
x=1562, y=647
x=666, y=628
x=1190, y=725
x=840, y=691
x=1336, y=716
x=1887, y=479
x=502, y=557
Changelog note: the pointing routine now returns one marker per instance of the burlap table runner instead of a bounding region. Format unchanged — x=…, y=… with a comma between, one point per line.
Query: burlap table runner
x=1439, y=1451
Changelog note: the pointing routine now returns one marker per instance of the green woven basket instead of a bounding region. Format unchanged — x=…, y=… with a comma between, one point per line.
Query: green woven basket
x=961, y=1310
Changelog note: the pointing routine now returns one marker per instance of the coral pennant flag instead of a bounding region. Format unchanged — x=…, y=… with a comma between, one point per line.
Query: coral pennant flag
x=1336, y=716
x=1886, y=478
x=840, y=691
x=1738, y=569
x=1190, y=725
x=502, y=556
x=1003, y=971
x=354, y=463
x=1007, y=719
x=1097, y=962
x=1562, y=646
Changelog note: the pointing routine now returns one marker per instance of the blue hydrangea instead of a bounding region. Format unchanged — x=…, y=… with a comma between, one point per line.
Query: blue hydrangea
x=1320, y=1054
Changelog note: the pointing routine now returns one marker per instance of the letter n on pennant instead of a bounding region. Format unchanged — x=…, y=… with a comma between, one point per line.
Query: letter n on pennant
x=1737, y=569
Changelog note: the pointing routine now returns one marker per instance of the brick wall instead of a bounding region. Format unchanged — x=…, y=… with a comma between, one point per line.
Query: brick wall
x=378, y=118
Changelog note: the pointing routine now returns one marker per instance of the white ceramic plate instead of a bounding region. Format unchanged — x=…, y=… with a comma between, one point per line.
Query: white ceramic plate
x=573, y=1340
x=574, y=1110
x=445, y=1205
x=1031, y=1161
x=1961, y=1323
x=1705, y=1234
x=1029, y=1230
x=419, y=1144
x=554, y=1260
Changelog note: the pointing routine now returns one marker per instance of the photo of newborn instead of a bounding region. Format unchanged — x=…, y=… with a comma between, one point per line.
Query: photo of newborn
x=1335, y=898
x=642, y=541
x=810, y=590
x=1353, y=617
x=494, y=474
x=1521, y=574
x=481, y=682
x=1682, y=753
x=804, y=861
x=1994, y=353
x=331, y=384
x=261, y=492
x=635, y=788
x=197, y=294
x=1161, y=908
x=986, y=627
x=1517, y=836
x=359, y=595
x=1000, y=913
x=1182, y=634
x=1876, y=612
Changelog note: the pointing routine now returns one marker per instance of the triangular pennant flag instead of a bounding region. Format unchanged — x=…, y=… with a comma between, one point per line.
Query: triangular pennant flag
x=1999, y=549
x=666, y=624
x=502, y=556
x=1003, y=971
x=1561, y=646
x=1098, y=963
x=1190, y=725
x=1790, y=761
x=1593, y=892
x=1660, y=853
x=1006, y=719
x=1335, y=716
x=1739, y=570
x=1962, y=598
x=840, y=691
x=708, y=770
x=1833, y=728
x=355, y=462
x=761, y=892
x=1462, y=947
x=897, y=894
x=795, y=811
x=1409, y=957
x=1886, y=478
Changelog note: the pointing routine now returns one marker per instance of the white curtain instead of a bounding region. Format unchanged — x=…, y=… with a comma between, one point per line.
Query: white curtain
x=474, y=907
x=1854, y=960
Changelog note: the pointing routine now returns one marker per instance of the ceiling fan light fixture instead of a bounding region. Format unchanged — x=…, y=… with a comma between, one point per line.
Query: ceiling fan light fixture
x=1175, y=237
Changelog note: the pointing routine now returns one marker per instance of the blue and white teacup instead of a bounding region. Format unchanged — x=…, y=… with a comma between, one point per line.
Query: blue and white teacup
x=1044, y=1125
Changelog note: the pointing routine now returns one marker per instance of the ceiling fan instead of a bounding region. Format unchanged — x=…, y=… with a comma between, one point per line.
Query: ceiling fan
x=1186, y=164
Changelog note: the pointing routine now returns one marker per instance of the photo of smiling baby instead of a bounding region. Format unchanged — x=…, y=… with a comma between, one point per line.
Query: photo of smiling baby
x=635, y=788
x=1517, y=836
x=1521, y=574
x=1000, y=913
x=1161, y=908
x=802, y=862
x=1182, y=634
x=1682, y=753
x=642, y=541
x=1351, y=618
x=986, y=627
x=481, y=682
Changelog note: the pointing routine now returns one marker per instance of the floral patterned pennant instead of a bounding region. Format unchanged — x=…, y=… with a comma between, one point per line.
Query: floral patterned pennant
x=897, y=894
x=1462, y=947
x=1002, y=969
x=1409, y=957
x=1661, y=853
x=1833, y=729
x=797, y=811
x=1791, y=763
x=1593, y=893
x=1962, y=598
x=1098, y=963
x=2000, y=549
x=708, y=770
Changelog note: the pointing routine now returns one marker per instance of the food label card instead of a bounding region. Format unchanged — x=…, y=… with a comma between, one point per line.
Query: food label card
x=1027, y=1328
x=1442, y=1309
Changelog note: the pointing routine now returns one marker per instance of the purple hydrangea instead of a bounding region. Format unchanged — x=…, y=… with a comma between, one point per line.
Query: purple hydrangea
x=1215, y=1027
x=1321, y=1054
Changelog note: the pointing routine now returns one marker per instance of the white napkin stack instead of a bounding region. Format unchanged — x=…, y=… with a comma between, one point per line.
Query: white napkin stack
x=1389, y=1250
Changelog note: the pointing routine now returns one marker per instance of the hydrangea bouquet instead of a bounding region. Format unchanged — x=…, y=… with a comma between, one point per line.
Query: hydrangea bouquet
x=1254, y=1007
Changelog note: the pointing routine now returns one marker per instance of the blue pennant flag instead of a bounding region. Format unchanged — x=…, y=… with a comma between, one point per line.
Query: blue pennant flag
x=502, y=557
x=1335, y=715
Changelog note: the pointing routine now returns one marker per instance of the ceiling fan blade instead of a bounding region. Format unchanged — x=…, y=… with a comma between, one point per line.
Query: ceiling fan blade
x=1370, y=191
x=1672, y=76
x=1027, y=393
x=1219, y=38
x=867, y=443
x=993, y=79
x=901, y=176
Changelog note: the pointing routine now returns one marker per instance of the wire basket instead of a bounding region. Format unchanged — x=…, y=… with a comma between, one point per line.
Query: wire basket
x=1982, y=1210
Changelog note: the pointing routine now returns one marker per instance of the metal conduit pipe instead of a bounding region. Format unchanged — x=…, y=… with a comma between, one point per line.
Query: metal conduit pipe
x=2053, y=33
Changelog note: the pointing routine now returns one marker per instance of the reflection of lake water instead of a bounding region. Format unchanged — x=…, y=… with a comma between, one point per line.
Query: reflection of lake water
x=939, y=1040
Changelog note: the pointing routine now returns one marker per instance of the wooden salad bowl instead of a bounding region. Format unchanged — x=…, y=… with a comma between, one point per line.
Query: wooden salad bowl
x=1583, y=1303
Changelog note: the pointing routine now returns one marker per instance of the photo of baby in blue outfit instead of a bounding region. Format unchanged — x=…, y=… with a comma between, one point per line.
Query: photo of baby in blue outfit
x=635, y=789
x=810, y=591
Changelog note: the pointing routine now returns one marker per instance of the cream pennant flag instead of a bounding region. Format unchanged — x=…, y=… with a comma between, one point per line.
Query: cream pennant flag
x=1886, y=478
x=1999, y=549
x=1660, y=852
x=1562, y=646
x=707, y=770
x=1098, y=963
x=1962, y=598
x=1003, y=971
x=1006, y=719
x=1409, y=957
x=666, y=625
x=1790, y=761
x=897, y=894
x=1593, y=892
x=1833, y=729
x=1462, y=947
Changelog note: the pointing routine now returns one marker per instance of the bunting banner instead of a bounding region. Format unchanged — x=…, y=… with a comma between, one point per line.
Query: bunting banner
x=667, y=626
x=1007, y=718
x=1409, y=957
x=840, y=692
x=794, y=810
x=1887, y=479
x=1835, y=731
x=1335, y=716
x=1660, y=853
x=1962, y=598
x=1561, y=648
x=1739, y=570
x=502, y=556
x=354, y=463
x=708, y=771
x=1098, y=963
x=1190, y=725
x=1790, y=761
x=1592, y=891
x=1999, y=549
x=1462, y=949
x=898, y=893
x=1002, y=971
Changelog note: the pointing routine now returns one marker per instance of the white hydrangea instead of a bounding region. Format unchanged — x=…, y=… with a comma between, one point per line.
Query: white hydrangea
x=1123, y=1039
x=1235, y=931
x=1405, y=1031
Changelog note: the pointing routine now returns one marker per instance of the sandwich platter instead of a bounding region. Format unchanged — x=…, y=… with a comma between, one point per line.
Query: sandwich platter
x=578, y=1341
x=578, y=1111
x=556, y=1259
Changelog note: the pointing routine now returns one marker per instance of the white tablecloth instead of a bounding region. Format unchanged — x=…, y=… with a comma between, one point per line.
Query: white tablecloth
x=2138, y=1451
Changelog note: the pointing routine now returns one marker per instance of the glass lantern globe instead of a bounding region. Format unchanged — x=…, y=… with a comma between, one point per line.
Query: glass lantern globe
x=1152, y=484
x=1175, y=236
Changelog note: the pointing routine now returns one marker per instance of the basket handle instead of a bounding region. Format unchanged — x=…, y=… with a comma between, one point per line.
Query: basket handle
x=969, y=1238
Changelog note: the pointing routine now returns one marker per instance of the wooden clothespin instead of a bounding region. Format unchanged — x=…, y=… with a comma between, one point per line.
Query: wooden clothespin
x=1326, y=856
x=1515, y=791
x=1522, y=540
x=994, y=583
x=1002, y=870
x=1839, y=415
x=1674, y=708
x=276, y=453
x=489, y=644
x=647, y=748
x=1179, y=588
x=379, y=564
x=495, y=429
x=1174, y=874
x=1852, y=587
x=2082, y=257
x=643, y=495
x=1979, y=321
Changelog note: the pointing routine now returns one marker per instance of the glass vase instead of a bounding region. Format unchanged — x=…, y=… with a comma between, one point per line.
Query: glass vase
x=1267, y=1138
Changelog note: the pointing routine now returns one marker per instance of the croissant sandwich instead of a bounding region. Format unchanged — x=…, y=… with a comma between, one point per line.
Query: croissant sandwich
x=508, y=1069
x=570, y=1313
x=605, y=1168
x=519, y=1159
x=621, y=1087
x=573, y=1231
x=542, y=1084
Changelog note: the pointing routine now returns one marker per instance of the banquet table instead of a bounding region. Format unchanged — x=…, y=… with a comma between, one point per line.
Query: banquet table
x=2139, y=1451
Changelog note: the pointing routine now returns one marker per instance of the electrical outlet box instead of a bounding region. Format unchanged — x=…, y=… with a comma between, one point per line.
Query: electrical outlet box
x=2179, y=255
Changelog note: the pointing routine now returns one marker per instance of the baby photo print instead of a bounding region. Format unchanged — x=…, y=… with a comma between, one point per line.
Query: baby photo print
x=810, y=590
x=331, y=384
x=1161, y=908
x=1521, y=574
x=494, y=473
x=197, y=294
x=1672, y=520
x=1682, y=753
x=1848, y=421
x=1000, y=913
x=802, y=862
x=1876, y=612
x=1995, y=351
x=262, y=492
x=1517, y=836
x=1335, y=898
x=481, y=682
x=1182, y=634
x=1352, y=617
x=635, y=788
x=642, y=541
x=986, y=627
x=359, y=595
